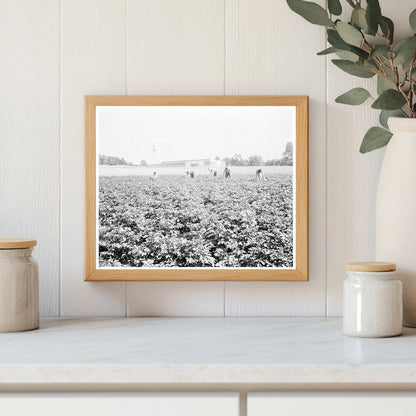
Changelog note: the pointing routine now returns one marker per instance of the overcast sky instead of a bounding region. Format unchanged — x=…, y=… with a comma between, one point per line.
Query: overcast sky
x=193, y=132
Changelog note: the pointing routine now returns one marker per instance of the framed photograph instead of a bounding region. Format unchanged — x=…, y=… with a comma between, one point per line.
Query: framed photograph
x=196, y=188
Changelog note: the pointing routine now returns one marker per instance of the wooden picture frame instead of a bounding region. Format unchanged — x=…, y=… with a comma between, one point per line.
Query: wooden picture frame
x=299, y=271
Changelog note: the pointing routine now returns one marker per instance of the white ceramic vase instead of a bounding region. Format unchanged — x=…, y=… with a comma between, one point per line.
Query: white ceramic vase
x=396, y=210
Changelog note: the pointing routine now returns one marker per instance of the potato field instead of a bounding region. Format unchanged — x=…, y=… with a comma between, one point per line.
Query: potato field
x=176, y=221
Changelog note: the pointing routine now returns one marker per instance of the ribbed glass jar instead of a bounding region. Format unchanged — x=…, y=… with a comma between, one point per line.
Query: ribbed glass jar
x=19, y=287
x=372, y=301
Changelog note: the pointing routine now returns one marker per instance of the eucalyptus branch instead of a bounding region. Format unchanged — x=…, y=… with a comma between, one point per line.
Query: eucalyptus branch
x=411, y=82
x=395, y=71
x=385, y=75
x=365, y=44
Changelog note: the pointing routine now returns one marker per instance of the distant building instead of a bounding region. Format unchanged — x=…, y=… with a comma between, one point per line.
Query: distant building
x=192, y=164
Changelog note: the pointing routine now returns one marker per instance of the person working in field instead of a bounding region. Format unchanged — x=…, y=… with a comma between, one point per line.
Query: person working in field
x=259, y=175
x=227, y=173
x=154, y=176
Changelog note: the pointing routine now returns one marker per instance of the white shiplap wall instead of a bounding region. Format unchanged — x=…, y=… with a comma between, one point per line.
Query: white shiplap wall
x=29, y=134
x=56, y=51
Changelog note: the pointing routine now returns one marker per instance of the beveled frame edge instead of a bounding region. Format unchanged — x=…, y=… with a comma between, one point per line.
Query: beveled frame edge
x=301, y=273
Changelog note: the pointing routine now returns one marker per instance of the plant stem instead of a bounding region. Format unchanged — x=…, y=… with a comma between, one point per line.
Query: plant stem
x=411, y=81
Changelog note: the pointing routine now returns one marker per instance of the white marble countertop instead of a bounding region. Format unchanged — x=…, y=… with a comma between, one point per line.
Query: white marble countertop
x=202, y=352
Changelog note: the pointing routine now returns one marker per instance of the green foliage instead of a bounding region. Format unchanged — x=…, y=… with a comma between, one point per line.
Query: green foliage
x=336, y=41
x=201, y=222
x=387, y=27
x=412, y=20
x=389, y=100
x=381, y=50
x=339, y=44
x=373, y=15
x=352, y=68
x=334, y=7
x=311, y=12
x=375, y=138
x=405, y=51
x=327, y=51
x=355, y=96
x=343, y=54
x=349, y=34
x=348, y=56
x=366, y=47
x=383, y=84
x=359, y=18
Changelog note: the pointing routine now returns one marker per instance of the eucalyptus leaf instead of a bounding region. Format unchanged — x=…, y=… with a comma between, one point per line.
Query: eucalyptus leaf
x=347, y=55
x=327, y=51
x=349, y=34
x=351, y=3
x=405, y=43
x=360, y=52
x=387, y=27
x=392, y=76
x=370, y=64
x=412, y=20
x=350, y=56
x=375, y=138
x=382, y=50
x=334, y=7
x=352, y=68
x=389, y=100
x=311, y=12
x=383, y=84
x=373, y=15
x=386, y=114
x=356, y=96
x=335, y=40
x=405, y=50
x=358, y=18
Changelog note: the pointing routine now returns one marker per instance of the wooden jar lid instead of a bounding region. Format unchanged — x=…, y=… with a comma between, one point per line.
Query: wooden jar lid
x=371, y=266
x=11, y=243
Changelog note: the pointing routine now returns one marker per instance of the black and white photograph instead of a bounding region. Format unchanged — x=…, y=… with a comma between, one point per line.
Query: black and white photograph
x=195, y=186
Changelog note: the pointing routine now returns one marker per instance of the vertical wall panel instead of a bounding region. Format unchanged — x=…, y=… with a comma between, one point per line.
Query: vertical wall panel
x=93, y=59
x=271, y=50
x=175, y=47
x=352, y=178
x=29, y=135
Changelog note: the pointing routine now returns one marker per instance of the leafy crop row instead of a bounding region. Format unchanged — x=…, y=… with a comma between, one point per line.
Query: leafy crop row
x=201, y=222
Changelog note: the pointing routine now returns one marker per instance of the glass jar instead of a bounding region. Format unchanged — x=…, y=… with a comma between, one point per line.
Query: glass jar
x=19, y=286
x=372, y=300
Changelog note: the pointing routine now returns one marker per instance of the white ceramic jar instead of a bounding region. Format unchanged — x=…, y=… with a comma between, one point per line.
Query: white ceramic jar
x=372, y=300
x=19, y=286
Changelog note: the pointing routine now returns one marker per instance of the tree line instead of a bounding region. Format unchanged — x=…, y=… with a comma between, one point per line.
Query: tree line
x=236, y=160
x=113, y=160
x=256, y=160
